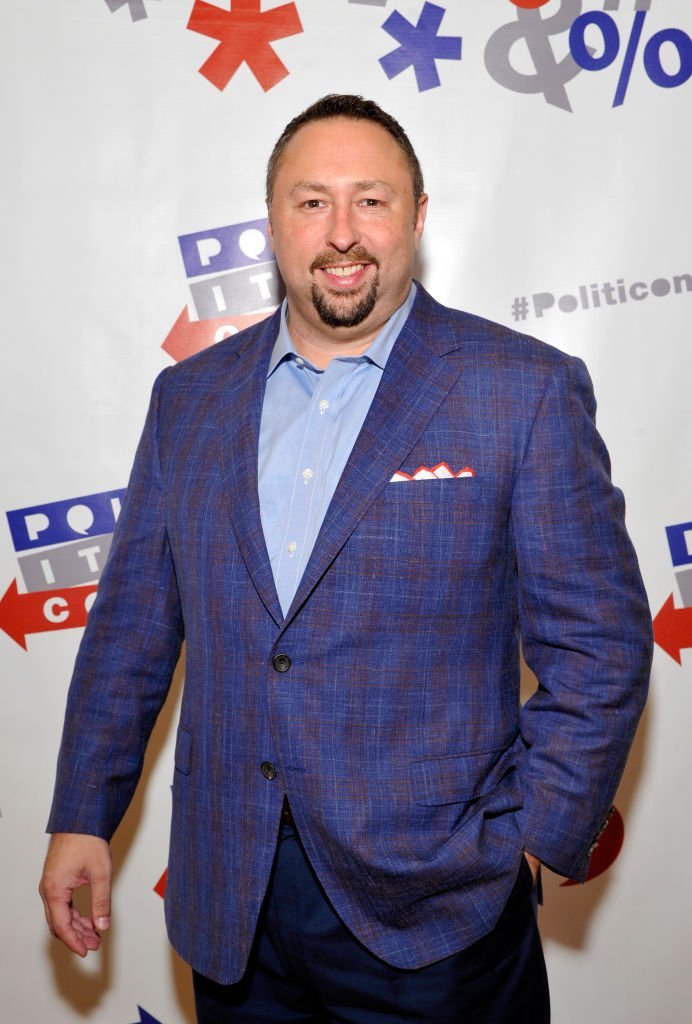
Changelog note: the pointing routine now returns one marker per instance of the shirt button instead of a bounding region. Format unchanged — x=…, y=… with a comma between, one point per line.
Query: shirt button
x=268, y=770
x=307, y=475
x=291, y=548
x=324, y=405
x=281, y=662
x=299, y=361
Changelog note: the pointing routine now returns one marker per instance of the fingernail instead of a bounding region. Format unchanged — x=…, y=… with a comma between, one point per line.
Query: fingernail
x=102, y=923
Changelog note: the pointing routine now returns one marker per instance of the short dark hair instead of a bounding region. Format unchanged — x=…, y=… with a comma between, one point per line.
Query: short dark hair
x=355, y=108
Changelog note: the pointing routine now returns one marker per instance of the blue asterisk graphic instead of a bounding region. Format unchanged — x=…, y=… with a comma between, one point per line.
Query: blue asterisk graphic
x=420, y=46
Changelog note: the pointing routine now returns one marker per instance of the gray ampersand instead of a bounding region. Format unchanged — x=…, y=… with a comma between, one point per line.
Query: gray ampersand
x=550, y=75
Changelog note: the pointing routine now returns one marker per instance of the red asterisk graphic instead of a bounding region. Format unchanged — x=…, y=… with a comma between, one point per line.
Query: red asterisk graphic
x=244, y=34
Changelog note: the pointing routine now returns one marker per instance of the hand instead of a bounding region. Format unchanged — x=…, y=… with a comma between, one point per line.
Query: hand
x=72, y=861
x=534, y=865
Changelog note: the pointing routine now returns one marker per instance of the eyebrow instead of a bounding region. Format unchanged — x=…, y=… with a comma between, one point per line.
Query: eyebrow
x=359, y=186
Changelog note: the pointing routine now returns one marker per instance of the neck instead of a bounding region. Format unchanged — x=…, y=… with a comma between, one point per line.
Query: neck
x=320, y=349
x=320, y=343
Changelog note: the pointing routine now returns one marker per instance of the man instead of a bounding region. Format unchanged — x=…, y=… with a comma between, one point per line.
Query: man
x=352, y=622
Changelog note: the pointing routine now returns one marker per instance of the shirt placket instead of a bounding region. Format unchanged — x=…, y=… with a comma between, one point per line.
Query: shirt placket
x=308, y=506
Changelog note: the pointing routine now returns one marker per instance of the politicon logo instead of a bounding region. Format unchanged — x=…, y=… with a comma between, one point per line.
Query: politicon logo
x=566, y=41
x=673, y=624
x=598, y=295
x=231, y=269
x=61, y=548
x=233, y=280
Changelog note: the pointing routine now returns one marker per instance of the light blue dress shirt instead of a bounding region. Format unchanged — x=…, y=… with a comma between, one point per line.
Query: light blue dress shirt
x=310, y=421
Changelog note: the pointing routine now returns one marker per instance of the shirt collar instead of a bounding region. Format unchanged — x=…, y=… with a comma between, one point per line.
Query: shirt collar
x=377, y=351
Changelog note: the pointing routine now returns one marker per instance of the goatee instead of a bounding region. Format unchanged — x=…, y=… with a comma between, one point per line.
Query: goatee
x=339, y=309
x=345, y=311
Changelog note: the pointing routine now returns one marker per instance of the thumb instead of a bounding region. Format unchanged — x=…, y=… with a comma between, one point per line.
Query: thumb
x=101, y=902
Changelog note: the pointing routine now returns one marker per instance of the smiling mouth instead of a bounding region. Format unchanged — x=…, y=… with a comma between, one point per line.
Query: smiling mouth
x=349, y=295
x=345, y=265
x=348, y=271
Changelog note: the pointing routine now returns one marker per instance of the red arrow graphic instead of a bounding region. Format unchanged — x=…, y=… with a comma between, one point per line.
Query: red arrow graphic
x=160, y=887
x=189, y=336
x=44, y=610
x=673, y=629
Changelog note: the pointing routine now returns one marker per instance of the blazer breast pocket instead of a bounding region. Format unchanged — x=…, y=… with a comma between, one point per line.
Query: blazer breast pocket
x=425, y=509
x=433, y=492
x=435, y=531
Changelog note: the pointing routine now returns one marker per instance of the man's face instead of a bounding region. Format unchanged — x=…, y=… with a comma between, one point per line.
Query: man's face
x=345, y=228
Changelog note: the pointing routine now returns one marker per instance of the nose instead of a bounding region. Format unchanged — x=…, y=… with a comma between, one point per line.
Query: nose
x=342, y=230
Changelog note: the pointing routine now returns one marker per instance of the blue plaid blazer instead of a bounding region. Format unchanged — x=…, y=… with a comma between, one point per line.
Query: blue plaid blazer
x=394, y=723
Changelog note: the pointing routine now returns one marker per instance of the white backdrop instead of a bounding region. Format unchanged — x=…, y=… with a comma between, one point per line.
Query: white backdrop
x=551, y=209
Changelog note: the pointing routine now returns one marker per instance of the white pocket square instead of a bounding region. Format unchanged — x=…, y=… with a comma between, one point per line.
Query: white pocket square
x=439, y=472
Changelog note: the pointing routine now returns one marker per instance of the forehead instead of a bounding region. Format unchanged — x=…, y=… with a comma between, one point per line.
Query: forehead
x=343, y=148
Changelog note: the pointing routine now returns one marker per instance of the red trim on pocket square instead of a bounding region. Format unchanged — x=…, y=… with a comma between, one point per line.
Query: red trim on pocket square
x=439, y=472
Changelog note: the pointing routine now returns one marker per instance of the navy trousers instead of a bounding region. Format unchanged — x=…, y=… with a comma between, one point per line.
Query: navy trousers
x=306, y=966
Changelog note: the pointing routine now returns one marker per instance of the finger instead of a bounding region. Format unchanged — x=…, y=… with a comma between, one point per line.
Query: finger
x=82, y=924
x=84, y=930
x=101, y=902
x=68, y=925
x=57, y=906
x=61, y=924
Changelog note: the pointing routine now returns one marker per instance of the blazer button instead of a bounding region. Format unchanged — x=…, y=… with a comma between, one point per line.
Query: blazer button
x=281, y=662
x=268, y=770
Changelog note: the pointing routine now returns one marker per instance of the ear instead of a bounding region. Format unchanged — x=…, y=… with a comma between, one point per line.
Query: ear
x=270, y=230
x=419, y=222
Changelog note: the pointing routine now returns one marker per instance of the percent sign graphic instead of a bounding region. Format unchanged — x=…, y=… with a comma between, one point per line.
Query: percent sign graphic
x=611, y=47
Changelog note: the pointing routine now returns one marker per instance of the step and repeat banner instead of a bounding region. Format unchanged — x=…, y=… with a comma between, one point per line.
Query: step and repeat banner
x=555, y=140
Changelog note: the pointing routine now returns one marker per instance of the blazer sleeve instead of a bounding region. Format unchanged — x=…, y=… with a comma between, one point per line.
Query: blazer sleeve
x=585, y=626
x=126, y=659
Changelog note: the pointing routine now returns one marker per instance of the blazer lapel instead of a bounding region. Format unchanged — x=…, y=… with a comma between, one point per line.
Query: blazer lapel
x=239, y=417
x=414, y=384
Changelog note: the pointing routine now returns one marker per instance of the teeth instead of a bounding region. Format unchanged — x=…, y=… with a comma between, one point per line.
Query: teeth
x=344, y=271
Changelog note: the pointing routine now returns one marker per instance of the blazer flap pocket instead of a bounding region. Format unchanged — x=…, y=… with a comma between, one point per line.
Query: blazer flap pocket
x=452, y=779
x=183, y=750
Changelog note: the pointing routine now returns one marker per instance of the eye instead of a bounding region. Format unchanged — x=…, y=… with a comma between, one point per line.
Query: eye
x=313, y=204
x=369, y=201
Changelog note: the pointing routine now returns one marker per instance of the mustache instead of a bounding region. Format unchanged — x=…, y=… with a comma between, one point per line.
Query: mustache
x=329, y=258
